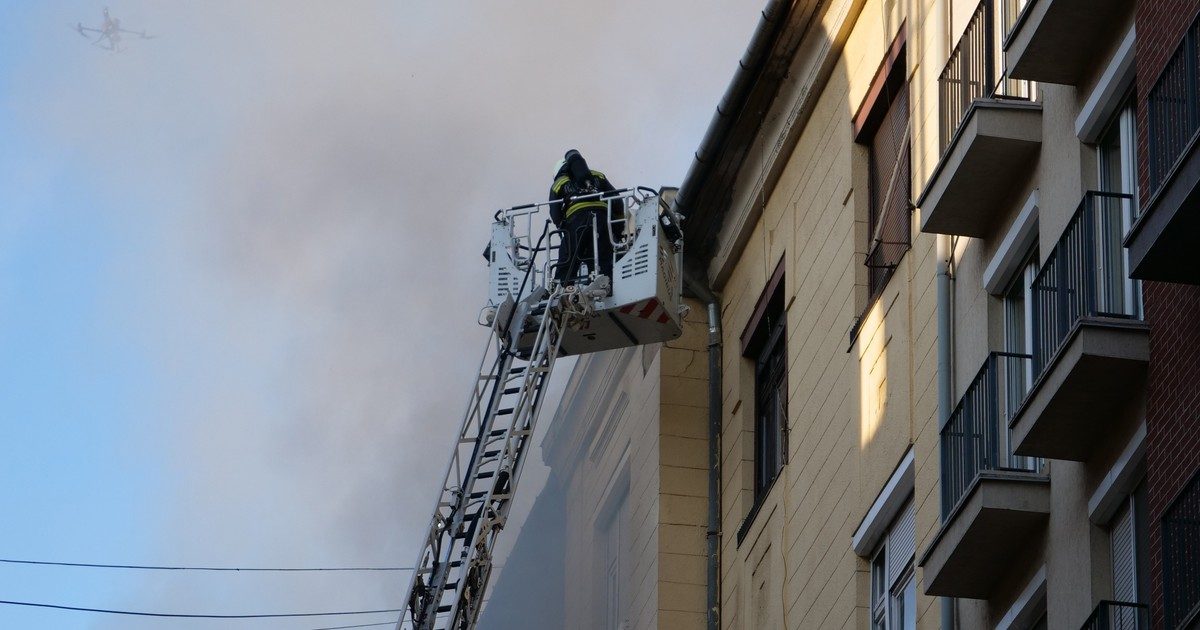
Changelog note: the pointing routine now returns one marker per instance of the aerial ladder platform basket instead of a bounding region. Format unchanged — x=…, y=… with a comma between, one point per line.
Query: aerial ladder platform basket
x=534, y=319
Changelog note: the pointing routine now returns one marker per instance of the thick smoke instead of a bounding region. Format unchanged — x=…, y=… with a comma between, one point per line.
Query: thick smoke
x=313, y=184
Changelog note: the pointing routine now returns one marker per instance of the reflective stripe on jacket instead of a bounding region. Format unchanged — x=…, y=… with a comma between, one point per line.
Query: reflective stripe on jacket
x=557, y=192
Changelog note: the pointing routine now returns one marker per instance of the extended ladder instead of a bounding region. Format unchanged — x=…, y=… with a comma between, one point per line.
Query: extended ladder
x=530, y=315
x=452, y=572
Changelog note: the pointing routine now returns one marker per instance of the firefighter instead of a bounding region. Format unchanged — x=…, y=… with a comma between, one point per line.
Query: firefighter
x=575, y=218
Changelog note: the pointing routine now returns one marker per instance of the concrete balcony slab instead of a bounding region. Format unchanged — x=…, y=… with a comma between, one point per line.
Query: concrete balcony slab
x=987, y=530
x=1163, y=242
x=995, y=145
x=1079, y=398
x=1059, y=41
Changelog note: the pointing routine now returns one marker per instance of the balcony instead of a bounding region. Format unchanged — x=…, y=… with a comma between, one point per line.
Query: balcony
x=1181, y=558
x=990, y=132
x=1059, y=41
x=1118, y=616
x=1162, y=243
x=992, y=502
x=1090, y=346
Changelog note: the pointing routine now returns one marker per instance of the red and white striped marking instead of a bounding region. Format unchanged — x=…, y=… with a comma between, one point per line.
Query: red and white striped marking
x=647, y=309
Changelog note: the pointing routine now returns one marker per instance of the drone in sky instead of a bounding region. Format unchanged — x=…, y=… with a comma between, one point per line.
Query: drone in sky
x=109, y=33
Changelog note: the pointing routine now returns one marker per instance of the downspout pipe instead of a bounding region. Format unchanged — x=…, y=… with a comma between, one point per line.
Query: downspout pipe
x=696, y=282
x=945, y=364
x=704, y=293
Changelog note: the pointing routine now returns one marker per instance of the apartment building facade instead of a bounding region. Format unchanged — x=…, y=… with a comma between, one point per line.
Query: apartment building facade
x=1009, y=440
x=950, y=246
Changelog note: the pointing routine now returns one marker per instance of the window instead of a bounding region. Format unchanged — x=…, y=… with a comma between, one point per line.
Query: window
x=893, y=585
x=1017, y=314
x=1116, y=157
x=770, y=396
x=1180, y=548
x=881, y=125
x=1117, y=163
x=886, y=136
x=1018, y=341
x=891, y=189
x=613, y=557
x=764, y=349
x=1127, y=539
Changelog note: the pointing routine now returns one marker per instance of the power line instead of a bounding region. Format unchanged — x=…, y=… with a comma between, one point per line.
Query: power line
x=173, y=568
x=196, y=616
x=369, y=625
x=361, y=625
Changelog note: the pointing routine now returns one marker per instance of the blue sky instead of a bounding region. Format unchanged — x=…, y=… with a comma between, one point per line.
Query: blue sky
x=239, y=270
x=75, y=393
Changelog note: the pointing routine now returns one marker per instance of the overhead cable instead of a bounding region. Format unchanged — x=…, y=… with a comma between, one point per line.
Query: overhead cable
x=181, y=568
x=361, y=625
x=137, y=613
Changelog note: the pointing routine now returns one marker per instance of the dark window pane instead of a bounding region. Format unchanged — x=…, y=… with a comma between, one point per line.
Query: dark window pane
x=770, y=397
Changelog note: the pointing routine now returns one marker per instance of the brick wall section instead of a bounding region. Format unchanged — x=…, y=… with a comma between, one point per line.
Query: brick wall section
x=1173, y=408
x=1172, y=310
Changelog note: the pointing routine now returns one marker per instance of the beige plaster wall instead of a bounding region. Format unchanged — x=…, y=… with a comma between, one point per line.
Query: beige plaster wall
x=637, y=418
x=854, y=407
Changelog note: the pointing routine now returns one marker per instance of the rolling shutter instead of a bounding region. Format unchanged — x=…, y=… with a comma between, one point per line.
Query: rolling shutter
x=901, y=542
x=1124, y=566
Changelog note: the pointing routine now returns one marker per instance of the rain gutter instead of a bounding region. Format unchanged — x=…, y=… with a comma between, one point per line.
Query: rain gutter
x=749, y=67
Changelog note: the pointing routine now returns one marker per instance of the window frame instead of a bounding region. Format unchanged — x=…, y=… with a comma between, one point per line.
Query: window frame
x=881, y=203
x=612, y=552
x=770, y=408
x=899, y=606
x=880, y=589
x=1133, y=507
x=1018, y=296
x=1123, y=127
x=764, y=347
x=890, y=79
x=889, y=585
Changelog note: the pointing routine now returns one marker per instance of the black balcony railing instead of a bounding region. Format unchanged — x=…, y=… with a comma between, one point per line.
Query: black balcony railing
x=1174, y=108
x=975, y=69
x=1086, y=275
x=975, y=439
x=1181, y=557
x=1118, y=616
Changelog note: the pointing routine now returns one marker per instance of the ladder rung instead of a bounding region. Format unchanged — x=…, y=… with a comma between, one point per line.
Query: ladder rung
x=486, y=475
x=491, y=453
x=496, y=433
x=512, y=390
x=504, y=412
x=444, y=608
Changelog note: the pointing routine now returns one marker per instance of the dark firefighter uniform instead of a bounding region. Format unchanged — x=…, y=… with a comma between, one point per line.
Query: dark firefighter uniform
x=574, y=217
